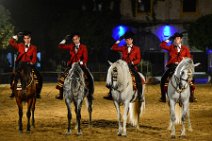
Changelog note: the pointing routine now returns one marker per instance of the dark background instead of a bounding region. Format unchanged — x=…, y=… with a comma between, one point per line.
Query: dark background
x=50, y=20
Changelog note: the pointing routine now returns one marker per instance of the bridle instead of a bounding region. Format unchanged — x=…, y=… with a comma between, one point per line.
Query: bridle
x=178, y=81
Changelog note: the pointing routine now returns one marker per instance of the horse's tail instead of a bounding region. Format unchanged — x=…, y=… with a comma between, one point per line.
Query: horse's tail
x=178, y=114
x=136, y=110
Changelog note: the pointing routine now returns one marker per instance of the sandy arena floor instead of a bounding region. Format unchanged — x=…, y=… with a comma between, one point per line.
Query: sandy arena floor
x=51, y=118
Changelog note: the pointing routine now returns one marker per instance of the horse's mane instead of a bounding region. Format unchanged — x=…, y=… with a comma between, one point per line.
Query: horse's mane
x=185, y=63
x=75, y=68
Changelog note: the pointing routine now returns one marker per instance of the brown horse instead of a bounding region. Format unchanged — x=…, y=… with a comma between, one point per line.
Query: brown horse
x=25, y=91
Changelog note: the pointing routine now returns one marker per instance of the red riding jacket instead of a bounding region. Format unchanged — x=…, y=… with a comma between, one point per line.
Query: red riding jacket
x=174, y=55
x=81, y=55
x=133, y=57
x=30, y=56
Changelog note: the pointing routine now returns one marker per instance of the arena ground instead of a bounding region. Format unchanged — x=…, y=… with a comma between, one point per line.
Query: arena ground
x=51, y=117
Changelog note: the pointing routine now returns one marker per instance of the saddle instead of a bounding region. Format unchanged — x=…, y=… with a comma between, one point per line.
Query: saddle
x=62, y=77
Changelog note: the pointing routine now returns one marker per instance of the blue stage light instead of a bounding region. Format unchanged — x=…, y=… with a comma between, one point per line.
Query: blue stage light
x=118, y=31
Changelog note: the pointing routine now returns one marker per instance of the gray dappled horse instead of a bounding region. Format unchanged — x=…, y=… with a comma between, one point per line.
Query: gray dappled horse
x=179, y=92
x=120, y=80
x=75, y=91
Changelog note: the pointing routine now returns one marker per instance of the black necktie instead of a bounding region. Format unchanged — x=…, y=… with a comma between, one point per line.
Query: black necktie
x=76, y=48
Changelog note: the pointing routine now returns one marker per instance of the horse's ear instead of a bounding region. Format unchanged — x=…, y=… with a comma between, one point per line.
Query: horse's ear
x=197, y=64
x=109, y=62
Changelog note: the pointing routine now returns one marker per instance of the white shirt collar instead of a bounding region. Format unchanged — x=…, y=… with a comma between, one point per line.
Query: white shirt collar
x=27, y=45
x=77, y=45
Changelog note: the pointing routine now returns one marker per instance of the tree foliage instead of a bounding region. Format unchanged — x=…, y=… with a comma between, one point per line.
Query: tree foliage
x=6, y=28
x=200, y=33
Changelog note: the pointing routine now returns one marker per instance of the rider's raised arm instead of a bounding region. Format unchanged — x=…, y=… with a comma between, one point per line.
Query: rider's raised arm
x=115, y=47
x=13, y=42
x=164, y=45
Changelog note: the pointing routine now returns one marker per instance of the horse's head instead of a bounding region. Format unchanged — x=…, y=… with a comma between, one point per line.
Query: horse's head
x=184, y=72
x=116, y=74
x=24, y=73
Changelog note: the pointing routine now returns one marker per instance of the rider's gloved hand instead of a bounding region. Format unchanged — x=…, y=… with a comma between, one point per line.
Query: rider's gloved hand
x=117, y=42
x=63, y=41
x=81, y=63
x=167, y=40
x=15, y=37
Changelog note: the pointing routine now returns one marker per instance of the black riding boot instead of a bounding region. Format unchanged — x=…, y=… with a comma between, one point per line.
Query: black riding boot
x=109, y=96
x=192, y=98
x=60, y=96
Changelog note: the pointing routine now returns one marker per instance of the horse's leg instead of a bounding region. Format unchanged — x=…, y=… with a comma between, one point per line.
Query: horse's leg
x=75, y=104
x=33, y=111
x=184, y=113
x=172, y=117
x=126, y=110
x=189, y=121
x=119, y=117
x=20, y=112
x=29, y=106
x=69, y=116
x=78, y=114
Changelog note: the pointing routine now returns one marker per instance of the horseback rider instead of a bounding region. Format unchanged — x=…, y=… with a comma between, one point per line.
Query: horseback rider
x=176, y=52
x=27, y=53
x=132, y=55
x=78, y=53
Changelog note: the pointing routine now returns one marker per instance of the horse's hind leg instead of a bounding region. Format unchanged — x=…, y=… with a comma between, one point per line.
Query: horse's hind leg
x=69, y=116
x=119, y=117
x=33, y=111
x=29, y=113
x=89, y=104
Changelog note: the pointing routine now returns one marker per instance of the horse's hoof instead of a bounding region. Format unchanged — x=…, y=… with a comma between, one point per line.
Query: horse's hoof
x=173, y=137
x=68, y=133
x=20, y=131
x=28, y=131
x=79, y=133
x=119, y=133
x=124, y=134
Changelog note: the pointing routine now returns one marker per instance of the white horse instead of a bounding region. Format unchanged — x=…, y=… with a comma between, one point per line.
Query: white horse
x=75, y=90
x=120, y=81
x=179, y=92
